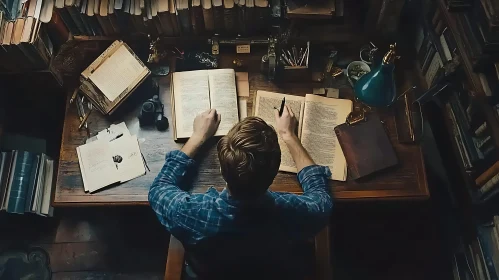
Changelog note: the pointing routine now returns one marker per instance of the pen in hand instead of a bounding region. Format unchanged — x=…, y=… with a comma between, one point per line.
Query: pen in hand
x=282, y=106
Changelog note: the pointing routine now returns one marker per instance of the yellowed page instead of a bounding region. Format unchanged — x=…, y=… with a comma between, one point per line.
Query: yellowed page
x=129, y=164
x=192, y=97
x=97, y=167
x=116, y=73
x=223, y=98
x=264, y=108
x=320, y=116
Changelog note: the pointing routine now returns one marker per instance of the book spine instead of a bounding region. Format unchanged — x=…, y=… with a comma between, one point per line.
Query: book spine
x=490, y=184
x=75, y=16
x=487, y=175
x=463, y=127
x=113, y=20
x=66, y=18
x=230, y=20
x=218, y=19
x=166, y=23
x=184, y=19
x=197, y=18
x=249, y=17
x=94, y=24
x=4, y=180
x=209, y=24
x=56, y=28
x=485, y=247
x=20, y=182
x=241, y=20
x=32, y=185
x=445, y=47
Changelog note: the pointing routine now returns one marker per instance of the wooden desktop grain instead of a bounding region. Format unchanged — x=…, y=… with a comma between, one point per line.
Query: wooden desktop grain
x=407, y=181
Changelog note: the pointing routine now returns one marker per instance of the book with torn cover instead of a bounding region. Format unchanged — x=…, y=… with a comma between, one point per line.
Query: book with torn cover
x=112, y=77
x=317, y=116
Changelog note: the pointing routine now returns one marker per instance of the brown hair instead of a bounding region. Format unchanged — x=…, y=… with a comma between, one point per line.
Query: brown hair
x=249, y=158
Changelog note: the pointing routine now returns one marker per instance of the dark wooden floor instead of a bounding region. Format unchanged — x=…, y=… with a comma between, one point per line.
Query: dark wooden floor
x=369, y=242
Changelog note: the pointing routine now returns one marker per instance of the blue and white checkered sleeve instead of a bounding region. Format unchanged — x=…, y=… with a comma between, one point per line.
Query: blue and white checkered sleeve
x=165, y=196
x=314, y=181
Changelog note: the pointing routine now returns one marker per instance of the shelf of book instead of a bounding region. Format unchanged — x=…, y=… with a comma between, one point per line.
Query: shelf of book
x=458, y=32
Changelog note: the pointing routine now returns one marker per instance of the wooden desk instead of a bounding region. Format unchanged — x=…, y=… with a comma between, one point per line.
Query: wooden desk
x=407, y=181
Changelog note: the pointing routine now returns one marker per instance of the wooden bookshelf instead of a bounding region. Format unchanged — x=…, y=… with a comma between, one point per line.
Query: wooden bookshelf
x=457, y=31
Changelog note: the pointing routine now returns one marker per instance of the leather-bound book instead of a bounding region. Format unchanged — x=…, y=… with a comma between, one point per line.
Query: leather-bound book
x=184, y=17
x=366, y=147
x=218, y=16
x=241, y=17
x=197, y=17
x=262, y=17
x=209, y=25
x=230, y=17
x=249, y=17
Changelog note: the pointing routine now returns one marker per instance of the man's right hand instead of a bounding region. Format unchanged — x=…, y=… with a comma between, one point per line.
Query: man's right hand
x=286, y=123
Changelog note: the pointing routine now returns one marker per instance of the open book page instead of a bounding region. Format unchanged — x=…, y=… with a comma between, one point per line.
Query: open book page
x=117, y=73
x=223, y=98
x=191, y=96
x=264, y=108
x=127, y=158
x=97, y=167
x=320, y=116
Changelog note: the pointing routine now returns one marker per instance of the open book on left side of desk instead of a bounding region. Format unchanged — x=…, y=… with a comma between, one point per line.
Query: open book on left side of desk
x=317, y=117
x=103, y=162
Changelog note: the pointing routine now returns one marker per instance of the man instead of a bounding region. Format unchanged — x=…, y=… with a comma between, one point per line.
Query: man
x=249, y=157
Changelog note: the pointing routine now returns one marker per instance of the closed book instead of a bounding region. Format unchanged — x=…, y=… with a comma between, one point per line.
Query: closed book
x=445, y=46
x=7, y=159
x=486, y=247
x=249, y=17
x=40, y=181
x=490, y=184
x=174, y=18
x=428, y=59
x=197, y=17
x=487, y=175
x=74, y=13
x=19, y=182
x=68, y=21
x=241, y=17
x=184, y=17
x=32, y=184
x=262, y=12
x=57, y=29
x=230, y=17
x=366, y=155
x=464, y=128
x=209, y=24
x=164, y=18
x=218, y=16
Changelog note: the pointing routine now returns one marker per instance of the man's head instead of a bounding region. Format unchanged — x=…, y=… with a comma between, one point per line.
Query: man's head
x=249, y=157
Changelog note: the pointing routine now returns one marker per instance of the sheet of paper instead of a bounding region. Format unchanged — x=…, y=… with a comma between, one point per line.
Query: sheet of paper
x=97, y=167
x=127, y=158
x=192, y=97
x=113, y=132
x=223, y=98
x=242, y=84
x=320, y=116
x=116, y=73
x=264, y=108
x=243, y=108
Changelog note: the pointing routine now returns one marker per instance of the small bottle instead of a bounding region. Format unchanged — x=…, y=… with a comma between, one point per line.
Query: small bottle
x=377, y=88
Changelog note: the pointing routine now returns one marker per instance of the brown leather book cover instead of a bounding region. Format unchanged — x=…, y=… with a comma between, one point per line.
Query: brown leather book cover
x=366, y=147
x=197, y=19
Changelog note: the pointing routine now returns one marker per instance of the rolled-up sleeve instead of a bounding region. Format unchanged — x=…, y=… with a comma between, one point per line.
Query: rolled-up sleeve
x=165, y=195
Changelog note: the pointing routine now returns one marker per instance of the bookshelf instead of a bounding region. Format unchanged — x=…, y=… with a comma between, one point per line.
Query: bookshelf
x=458, y=33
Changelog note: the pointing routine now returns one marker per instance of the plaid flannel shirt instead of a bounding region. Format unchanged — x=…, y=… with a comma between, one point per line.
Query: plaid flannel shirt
x=192, y=217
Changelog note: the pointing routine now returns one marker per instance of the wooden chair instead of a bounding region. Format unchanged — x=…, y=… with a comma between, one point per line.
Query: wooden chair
x=323, y=271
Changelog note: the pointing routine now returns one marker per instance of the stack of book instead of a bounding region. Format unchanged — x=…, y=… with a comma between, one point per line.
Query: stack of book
x=23, y=37
x=163, y=17
x=435, y=44
x=26, y=182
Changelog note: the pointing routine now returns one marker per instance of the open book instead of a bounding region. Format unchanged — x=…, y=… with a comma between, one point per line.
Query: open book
x=317, y=116
x=194, y=92
x=104, y=162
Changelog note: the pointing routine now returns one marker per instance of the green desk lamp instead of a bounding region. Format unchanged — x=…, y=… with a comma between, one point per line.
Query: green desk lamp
x=377, y=88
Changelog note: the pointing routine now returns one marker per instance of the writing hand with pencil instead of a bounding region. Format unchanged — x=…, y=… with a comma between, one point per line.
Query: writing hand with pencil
x=286, y=123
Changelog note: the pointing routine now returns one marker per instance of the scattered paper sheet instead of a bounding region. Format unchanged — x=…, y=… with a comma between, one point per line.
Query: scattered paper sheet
x=113, y=132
